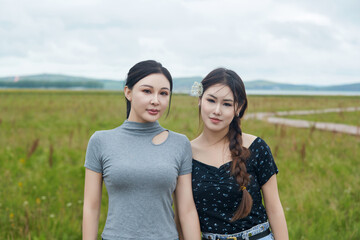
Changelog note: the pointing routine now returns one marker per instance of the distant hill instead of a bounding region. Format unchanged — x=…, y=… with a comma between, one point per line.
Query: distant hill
x=347, y=87
x=184, y=84
x=268, y=85
x=180, y=84
x=52, y=81
x=50, y=78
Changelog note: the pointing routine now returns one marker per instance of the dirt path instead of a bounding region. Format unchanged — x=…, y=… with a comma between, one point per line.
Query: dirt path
x=272, y=117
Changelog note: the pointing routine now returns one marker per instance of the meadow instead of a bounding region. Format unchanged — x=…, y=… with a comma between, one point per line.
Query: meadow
x=350, y=118
x=44, y=135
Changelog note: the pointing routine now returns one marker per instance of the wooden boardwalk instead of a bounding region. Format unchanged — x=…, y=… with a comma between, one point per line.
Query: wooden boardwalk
x=273, y=117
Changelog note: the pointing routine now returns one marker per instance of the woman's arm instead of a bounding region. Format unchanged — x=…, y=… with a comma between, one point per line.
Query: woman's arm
x=177, y=220
x=274, y=209
x=92, y=202
x=186, y=210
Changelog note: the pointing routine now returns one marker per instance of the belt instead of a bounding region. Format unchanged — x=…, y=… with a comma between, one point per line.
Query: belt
x=259, y=231
x=254, y=237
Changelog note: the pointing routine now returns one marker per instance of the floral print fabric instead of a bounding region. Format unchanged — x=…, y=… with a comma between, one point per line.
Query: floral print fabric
x=217, y=195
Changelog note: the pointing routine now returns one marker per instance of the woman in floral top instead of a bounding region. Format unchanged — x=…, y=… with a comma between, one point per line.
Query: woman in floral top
x=233, y=172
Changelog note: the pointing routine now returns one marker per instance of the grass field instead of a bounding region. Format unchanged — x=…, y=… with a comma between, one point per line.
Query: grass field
x=43, y=139
x=350, y=118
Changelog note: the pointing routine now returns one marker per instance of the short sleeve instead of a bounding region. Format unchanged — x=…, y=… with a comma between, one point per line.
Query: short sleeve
x=266, y=166
x=93, y=154
x=186, y=163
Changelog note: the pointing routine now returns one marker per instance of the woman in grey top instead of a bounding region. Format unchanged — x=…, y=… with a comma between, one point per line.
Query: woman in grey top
x=142, y=165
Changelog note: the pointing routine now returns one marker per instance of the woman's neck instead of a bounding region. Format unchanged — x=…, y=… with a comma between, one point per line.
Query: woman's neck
x=210, y=138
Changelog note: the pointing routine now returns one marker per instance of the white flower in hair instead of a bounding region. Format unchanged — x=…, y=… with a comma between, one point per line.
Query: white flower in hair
x=197, y=89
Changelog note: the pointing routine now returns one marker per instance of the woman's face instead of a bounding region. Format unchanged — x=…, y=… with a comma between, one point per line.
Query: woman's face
x=217, y=107
x=149, y=98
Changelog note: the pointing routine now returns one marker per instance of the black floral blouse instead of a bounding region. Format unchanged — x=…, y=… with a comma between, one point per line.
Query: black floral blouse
x=217, y=195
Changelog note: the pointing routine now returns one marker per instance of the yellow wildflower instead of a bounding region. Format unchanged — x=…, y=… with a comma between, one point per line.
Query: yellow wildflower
x=22, y=161
x=20, y=184
x=11, y=215
x=38, y=201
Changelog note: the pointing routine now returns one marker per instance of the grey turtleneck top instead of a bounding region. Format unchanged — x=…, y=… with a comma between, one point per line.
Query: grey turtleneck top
x=140, y=178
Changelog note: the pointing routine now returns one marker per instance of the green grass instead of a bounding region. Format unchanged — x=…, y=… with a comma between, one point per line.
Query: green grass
x=41, y=193
x=285, y=103
x=350, y=118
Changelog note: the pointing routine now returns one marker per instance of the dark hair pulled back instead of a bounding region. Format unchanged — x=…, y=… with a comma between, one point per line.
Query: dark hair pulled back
x=239, y=154
x=142, y=70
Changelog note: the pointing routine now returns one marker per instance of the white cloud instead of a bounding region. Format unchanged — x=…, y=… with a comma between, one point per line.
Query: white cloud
x=288, y=41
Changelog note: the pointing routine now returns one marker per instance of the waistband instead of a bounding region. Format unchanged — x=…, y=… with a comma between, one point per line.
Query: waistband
x=253, y=233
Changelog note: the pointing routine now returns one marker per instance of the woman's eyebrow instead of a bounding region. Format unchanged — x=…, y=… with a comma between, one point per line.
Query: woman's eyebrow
x=212, y=96
x=145, y=85
x=226, y=100
x=149, y=86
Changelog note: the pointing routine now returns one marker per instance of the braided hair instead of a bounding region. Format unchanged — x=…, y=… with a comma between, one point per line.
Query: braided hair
x=239, y=154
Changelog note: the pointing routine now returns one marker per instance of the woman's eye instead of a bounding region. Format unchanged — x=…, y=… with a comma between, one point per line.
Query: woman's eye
x=164, y=93
x=227, y=104
x=210, y=100
x=146, y=91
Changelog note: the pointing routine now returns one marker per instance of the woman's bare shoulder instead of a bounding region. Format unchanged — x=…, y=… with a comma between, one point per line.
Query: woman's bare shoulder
x=248, y=139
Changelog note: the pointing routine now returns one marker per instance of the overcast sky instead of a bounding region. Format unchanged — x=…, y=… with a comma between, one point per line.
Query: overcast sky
x=300, y=42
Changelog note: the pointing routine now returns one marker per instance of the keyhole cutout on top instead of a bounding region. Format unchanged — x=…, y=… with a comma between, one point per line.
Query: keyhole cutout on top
x=160, y=138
